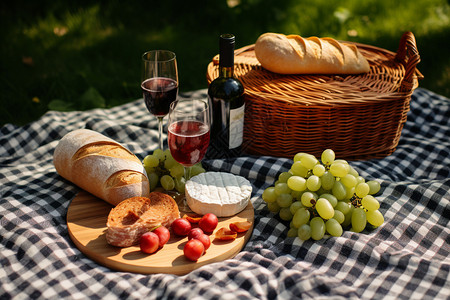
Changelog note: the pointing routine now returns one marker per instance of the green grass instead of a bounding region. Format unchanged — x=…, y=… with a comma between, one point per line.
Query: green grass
x=63, y=56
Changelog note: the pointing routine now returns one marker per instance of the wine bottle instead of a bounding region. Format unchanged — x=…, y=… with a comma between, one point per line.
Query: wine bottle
x=226, y=99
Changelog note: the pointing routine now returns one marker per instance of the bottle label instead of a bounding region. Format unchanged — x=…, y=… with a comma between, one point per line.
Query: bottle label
x=236, y=127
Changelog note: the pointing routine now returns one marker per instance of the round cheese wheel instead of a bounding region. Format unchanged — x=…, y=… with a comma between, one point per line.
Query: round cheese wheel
x=220, y=193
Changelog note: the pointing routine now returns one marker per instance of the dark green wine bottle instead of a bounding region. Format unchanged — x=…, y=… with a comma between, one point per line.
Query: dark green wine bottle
x=226, y=99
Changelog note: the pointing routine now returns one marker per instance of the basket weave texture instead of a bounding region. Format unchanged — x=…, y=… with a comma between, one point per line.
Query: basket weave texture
x=358, y=116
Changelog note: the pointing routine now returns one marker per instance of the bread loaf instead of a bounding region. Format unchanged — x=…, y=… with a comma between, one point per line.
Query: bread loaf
x=131, y=218
x=293, y=54
x=101, y=166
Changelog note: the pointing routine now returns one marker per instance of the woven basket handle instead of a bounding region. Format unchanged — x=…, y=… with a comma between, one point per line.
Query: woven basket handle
x=409, y=56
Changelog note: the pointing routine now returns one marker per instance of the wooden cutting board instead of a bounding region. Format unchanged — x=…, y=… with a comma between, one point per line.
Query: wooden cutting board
x=86, y=222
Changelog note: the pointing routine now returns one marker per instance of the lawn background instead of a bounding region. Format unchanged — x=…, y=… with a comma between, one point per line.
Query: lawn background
x=77, y=56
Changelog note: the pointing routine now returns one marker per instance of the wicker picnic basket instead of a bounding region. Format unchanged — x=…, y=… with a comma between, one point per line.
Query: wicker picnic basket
x=358, y=116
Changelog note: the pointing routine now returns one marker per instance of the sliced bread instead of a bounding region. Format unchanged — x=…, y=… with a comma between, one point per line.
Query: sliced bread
x=131, y=218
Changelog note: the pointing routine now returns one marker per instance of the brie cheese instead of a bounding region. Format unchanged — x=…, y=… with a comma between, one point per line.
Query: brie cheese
x=222, y=194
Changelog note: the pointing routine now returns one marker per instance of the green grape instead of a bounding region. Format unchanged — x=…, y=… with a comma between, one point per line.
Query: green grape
x=375, y=218
x=331, y=198
x=167, y=182
x=362, y=190
x=321, y=191
x=285, y=214
x=180, y=184
x=296, y=205
x=282, y=188
x=313, y=183
x=359, y=180
x=296, y=194
x=197, y=169
x=339, y=190
x=298, y=169
x=304, y=232
x=349, y=181
x=269, y=195
x=342, y=161
x=333, y=227
x=273, y=207
x=317, y=228
x=344, y=207
x=284, y=176
x=151, y=161
x=297, y=183
x=167, y=153
x=374, y=187
x=353, y=172
x=300, y=217
x=298, y=156
x=169, y=162
x=324, y=208
x=359, y=219
x=153, y=180
x=339, y=169
x=339, y=216
x=292, y=232
x=177, y=170
x=319, y=170
x=149, y=170
x=159, y=154
x=328, y=180
x=328, y=157
x=348, y=217
x=370, y=203
x=284, y=200
x=308, y=161
x=350, y=192
x=307, y=199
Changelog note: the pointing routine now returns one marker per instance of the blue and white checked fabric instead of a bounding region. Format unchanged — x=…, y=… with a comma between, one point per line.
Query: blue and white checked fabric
x=405, y=258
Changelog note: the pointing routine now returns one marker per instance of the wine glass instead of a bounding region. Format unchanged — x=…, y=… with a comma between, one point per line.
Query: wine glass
x=188, y=133
x=159, y=84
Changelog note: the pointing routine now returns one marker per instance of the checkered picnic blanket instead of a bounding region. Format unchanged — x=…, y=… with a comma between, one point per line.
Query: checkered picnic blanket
x=405, y=258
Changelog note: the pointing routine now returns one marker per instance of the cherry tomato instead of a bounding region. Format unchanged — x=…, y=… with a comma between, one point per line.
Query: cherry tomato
x=149, y=242
x=193, y=249
x=208, y=223
x=164, y=235
x=181, y=227
x=194, y=233
x=205, y=240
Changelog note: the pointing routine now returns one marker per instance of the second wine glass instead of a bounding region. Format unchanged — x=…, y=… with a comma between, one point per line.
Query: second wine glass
x=189, y=130
x=159, y=84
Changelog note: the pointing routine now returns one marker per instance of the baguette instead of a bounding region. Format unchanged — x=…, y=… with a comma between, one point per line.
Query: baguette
x=101, y=166
x=293, y=54
x=131, y=218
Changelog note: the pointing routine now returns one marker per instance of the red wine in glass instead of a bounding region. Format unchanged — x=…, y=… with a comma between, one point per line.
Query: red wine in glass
x=188, y=141
x=159, y=93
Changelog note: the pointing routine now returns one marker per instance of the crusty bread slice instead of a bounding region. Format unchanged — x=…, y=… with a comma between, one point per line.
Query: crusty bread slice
x=134, y=216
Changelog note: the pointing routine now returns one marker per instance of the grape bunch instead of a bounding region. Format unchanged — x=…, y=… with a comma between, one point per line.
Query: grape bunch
x=325, y=196
x=164, y=171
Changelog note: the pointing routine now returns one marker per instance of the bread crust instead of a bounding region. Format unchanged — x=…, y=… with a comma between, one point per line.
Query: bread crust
x=101, y=166
x=293, y=54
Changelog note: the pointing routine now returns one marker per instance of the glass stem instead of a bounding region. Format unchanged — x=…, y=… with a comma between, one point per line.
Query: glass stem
x=160, y=131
